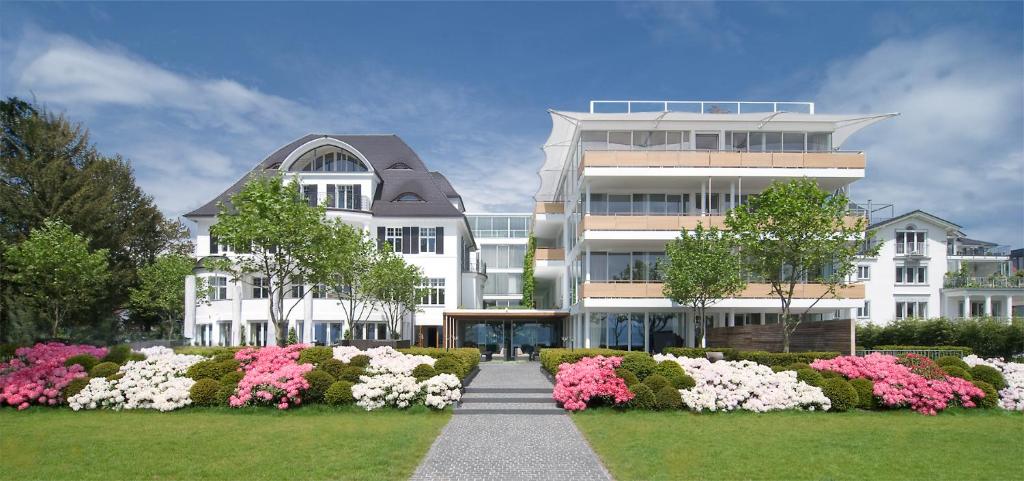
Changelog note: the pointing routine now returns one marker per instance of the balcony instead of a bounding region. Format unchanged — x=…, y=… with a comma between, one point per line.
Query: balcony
x=912, y=249
x=474, y=268
x=995, y=282
x=549, y=208
x=549, y=254
x=664, y=222
x=699, y=158
x=631, y=290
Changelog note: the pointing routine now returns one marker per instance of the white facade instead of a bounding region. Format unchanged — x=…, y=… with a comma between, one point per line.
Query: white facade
x=502, y=240
x=436, y=236
x=913, y=275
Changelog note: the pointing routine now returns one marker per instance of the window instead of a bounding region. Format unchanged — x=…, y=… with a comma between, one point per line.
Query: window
x=296, y=290
x=910, y=309
x=433, y=292
x=911, y=243
x=911, y=275
x=865, y=311
x=793, y=141
x=503, y=256
x=260, y=288
x=370, y=331
x=393, y=236
x=428, y=239
x=218, y=288
x=503, y=284
x=309, y=193
x=819, y=141
x=625, y=266
x=399, y=166
x=319, y=291
x=408, y=197
x=258, y=333
x=707, y=141
x=328, y=159
x=863, y=273
x=205, y=334
x=343, y=196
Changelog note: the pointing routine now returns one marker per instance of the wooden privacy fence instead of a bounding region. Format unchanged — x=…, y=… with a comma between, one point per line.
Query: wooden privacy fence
x=834, y=335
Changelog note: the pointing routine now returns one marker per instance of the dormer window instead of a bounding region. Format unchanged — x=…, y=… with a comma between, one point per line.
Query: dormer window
x=399, y=166
x=328, y=159
x=408, y=197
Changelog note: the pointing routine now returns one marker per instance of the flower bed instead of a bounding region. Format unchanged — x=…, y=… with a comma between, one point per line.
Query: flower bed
x=1012, y=397
x=158, y=382
x=912, y=383
x=744, y=385
x=589, y=379
x=37, y=375
x=272, y=376
x=388, y=380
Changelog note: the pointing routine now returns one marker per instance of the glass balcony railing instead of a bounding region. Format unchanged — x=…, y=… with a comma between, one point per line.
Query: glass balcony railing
x=995, y=282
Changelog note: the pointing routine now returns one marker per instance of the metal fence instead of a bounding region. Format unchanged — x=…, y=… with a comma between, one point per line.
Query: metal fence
x=929, y=353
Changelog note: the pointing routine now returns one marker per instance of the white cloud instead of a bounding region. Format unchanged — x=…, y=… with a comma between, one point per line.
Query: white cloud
x=957, y=150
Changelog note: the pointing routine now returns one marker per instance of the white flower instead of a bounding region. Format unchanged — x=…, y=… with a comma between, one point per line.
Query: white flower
x=1011, y=398
x=157, y=382
x=441, y=390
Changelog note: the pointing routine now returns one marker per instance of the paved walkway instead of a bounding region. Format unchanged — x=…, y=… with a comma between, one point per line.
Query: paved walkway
x=508, y=427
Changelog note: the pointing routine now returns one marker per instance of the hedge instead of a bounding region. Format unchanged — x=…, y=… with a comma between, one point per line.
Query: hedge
x=843, y=395
x=468, y=357
x=551, y=358
x=901, y=347
x=204, y=392
x=207, y=351
x=783, y=358
x=986, y=337
x=700, y=352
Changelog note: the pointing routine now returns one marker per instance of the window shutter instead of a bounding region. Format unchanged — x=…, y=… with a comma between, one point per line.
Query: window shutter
x=406, y=241
x=331, y=196
x=439, y=240
x=213, y=244
x=415, y=247
x=358, y=201
x=380, y=237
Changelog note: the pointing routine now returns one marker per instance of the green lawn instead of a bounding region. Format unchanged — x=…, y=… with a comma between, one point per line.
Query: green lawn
x=893, y=445
x=314, y=442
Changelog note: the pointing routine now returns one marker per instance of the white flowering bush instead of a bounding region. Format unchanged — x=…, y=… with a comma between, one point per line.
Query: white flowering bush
x=1012, y=397
x=385, y=389
x=441, y=390
x=346, y=353
x=157, y=382
x=745, y=385
x=385, y=360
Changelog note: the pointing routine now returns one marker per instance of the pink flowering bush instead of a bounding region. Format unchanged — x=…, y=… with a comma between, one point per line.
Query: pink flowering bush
x=590, y=378
x=36, y=375
x=272, y=376
x=897, y=385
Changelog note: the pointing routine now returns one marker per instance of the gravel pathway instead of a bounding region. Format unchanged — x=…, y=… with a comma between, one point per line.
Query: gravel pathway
x=509, y=428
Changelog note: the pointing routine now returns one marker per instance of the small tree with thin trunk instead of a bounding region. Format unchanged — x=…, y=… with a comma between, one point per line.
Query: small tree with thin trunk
x=394, y=286
x=276, y=233
x=701, y=268
x=795, y=232
x=161, y=289
x=347, y=256
x=57, y=273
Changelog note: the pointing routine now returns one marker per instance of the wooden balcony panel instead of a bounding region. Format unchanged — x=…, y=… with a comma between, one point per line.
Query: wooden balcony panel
x=663, y=158
x=851, y=220
x=689, y=222
x=756, y=159
x=849, y=160
x=693, y=159
x=599, y=158
x=546, y=254
x=651, y=222
x=549, y=208
x=726, y=159
x=788, y=160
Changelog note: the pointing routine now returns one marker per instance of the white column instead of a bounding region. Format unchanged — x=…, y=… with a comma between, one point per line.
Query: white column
x=703, y=198
x=1009, y=307
x=586, y=198
x=732, y=195
x=235, y=287
x=307, y=318
x=189, y=328
x=689, y=329
x=988, y=304
x=732, y=318
x=853, y=331
x=647, y=337
x=586, y=330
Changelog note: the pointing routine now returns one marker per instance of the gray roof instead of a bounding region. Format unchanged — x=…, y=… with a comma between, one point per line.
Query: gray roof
x=912, y=213
x=382, y=151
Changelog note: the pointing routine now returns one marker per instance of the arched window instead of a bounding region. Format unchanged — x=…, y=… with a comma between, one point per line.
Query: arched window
x=399, y=166
x=328, y=159
x=408, y=197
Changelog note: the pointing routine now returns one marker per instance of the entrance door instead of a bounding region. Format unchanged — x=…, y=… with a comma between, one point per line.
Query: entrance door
x=528, y=337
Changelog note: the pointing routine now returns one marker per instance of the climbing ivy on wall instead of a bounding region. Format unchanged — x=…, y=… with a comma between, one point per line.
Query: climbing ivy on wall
x=528, y=283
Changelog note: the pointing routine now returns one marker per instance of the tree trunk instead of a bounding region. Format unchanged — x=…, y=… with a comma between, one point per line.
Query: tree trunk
x=56, y=322
x=785, y=329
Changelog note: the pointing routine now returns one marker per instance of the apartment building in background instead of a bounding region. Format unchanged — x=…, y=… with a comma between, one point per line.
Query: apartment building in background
x=502, y=240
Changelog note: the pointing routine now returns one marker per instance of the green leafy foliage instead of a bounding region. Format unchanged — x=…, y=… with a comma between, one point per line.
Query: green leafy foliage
x=85, y=360
x=986, y=337
x=668, y=369
x=641, y=363
x=361, y=360
x=394, y=288
x=118, y=354
x=627, y=376
x=643, y=397
x=161, y=290
x=204, y=392
x=469, y=357
x=74, y=387
x=529, y=283
x=333, y=367
x=551, y=358
x=990, y=375
x=841, y=393
x=946, y=361
x=667, y=398
x=319, y=383
x=656, y=382
x=957, y=371
x=104, y=369
x=423, y=372
x=809, y=376
x=991, y=399
x=450, y=365
x=865, y=393
x=340, y=393
x=351, y=374
x=315, y=355
x=211, y=369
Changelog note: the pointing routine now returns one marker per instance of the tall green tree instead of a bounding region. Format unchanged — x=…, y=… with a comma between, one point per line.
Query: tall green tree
x=280, y=234
x=700, y=269
x=346, y=256
x=529, y=283
x=56, y=272
x=795, y=232
x=161, y=290
x=394, y=286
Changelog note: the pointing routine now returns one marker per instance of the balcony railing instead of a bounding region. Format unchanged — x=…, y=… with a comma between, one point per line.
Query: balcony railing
x=549, y=254
x=715, y=158
x=997, y=282
x=549, y=208
x=635, y=290
x=698, y=106
x=670, y=222
x=474, y=268
x=974, y=251
x=331, y=202
x=912, y=249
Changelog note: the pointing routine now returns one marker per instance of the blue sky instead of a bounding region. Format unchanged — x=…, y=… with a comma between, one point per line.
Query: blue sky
x=195, y=94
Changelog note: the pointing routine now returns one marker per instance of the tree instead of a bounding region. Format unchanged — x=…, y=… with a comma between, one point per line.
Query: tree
x=700, y=269
x=279, y=232
x=57, y=273
x=394, y=287
x=346, y=256
x=529, y=283
x=161, y=289
x=795, y=232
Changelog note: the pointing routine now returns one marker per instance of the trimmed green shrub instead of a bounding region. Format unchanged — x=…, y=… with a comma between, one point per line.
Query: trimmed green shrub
x=468, y=356
x=104, y=369
x=351, y=374
x=952, y=361
x=656, y=382
x=865, y=392
x=115, y=377
x=780, y=368
x=225, y=392
x=85, y=360
x=118, y=354
x=669, y=369
x=957, y=371
x=627, y=376
x=423, y=372
x=831, y=375
x=449, y=365
x=841, y=393
x=333, y=367
x=903, y=347
x=784, y=358
x=204, y=392
x=233, y=377
x=991, y=399
x=224, y=356
x=208, y=351
x=315, y=355
x=682, y=381
x=211, y=369
x=319, y=383
x=136, y=356
x=809, y=376
x=697, y=352
x=667, y=398
x=551, y=358
x=643, y=397
x=339, y=393
x=361, y=360
x=796, y=366
x=641, y=363
x=75, y=386
x=990, y=375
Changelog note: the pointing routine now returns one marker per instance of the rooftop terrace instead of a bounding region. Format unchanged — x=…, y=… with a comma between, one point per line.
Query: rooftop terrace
x=699, y=106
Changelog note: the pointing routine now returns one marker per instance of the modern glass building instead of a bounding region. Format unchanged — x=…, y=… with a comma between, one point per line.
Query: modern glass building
x=501, y=240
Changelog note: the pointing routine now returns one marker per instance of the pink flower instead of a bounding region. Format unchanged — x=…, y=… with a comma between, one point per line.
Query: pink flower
x=272, y=376
x=36, y=375
x=590, y=378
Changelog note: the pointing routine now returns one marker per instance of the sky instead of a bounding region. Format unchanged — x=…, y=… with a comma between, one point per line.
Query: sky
x=195, y=94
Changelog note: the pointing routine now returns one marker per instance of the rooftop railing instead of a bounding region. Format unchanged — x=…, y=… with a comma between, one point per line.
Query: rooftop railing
x=699, y=106
x=997, y=282
x=977, y=251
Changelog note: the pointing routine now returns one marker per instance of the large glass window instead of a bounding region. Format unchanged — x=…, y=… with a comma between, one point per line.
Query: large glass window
x=500, y=226
x=819, y=141
x=620, y=140
x=393, y=236
x=503, y=284
x=218, y=288
x=793, y=141
x=625, y=266
x=260, y=288
x=707, y=141
x=433, y=291
x=623, y=330
x=328, y=159
x=773, y=141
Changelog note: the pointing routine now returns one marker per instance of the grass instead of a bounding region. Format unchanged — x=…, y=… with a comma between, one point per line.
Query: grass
x=314, y=442
x=862, y=445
